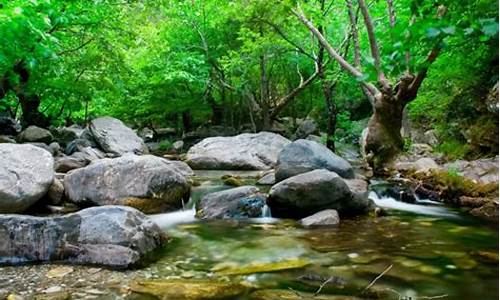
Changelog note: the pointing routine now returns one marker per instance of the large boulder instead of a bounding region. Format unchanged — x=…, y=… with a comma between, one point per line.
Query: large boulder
x=305, y=194
x=247, y=151
x=148, y=183
x=240, y=202
x=35, y=134
x=114, y=137
x=306, y=127
x=26, y=173
x=112, y=236
x=304, y=155
x=64, y=135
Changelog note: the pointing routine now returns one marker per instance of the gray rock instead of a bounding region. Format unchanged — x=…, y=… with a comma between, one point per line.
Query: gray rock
x=148, y=183
x=305, y=194
x=422, y=165
x=7, y=139
x=43, y=146
x=64, y=164
x=74, y=145
x=357, y=186
x=88, y=154
x=247, y=151
x=112, y=236
x=327, y=217
x=430, y=137
x=114, y=137
x=306, y=127
x=55, y=148
x=240, y=202
x=56, y=192
x=177, y=146
x=267, y=179
x=303, y=156
x=8, y=126
x=146, y=134
x=64, y=135
x=26, y=173
x=35, y=134
x=482, y=170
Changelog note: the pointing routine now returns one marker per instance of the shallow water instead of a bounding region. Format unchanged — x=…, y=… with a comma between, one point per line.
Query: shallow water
x=444, y=253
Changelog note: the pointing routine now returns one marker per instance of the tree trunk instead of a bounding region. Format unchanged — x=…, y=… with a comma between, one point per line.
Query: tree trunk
x=31, y=115
x=382, y=140
x=186, y=121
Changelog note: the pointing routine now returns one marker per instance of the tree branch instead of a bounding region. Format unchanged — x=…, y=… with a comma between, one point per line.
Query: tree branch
x=342, y=62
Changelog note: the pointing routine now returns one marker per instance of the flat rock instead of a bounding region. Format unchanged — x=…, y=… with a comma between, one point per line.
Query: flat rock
x=114, y=137
x=35, y=134
x=307, y=193
x=247, y=151
x=303, y=156
x=113, y=236
x=240, y=202
x=482, y=170
x=148, y=183
x=26, y=173
x=327, y=217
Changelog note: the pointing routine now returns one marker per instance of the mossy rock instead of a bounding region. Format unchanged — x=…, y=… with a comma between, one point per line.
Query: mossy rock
x=177, y=289
x=292, y=295
x=232, y=180
x=264, y=267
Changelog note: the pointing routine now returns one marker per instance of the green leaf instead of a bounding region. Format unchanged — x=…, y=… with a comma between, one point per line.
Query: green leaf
x=450, y=30
x=432, y=32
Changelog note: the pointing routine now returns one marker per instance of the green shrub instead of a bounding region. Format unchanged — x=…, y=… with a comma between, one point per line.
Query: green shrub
x=165, y=145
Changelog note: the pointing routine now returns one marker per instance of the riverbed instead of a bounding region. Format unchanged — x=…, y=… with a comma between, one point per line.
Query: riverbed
x=416, y=250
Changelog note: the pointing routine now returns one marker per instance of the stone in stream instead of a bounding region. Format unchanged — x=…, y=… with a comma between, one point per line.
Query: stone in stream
x=26, y=173
x=240, y=202
x=275, y=294
x=148, y=183
x=327, y=217
x=305, y=194
x=35, y=134
x=303, y=156
x=247, y=151
x=113, y=236
x=267, y=179
x=114, y=137
x=188, y=289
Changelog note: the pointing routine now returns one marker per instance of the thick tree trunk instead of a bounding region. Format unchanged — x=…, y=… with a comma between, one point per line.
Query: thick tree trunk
x=31, y=115
x=186, y=121
x=382, y=140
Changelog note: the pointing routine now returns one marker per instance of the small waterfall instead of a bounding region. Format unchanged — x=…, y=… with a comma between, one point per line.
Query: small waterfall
x=391, y=203
x=167, y=220
x=266, y=212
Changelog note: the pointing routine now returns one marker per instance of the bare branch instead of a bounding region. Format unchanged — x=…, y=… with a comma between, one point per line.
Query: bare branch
x=390, y=11
x=343, y=63
x=373, y=45
x=378, y=277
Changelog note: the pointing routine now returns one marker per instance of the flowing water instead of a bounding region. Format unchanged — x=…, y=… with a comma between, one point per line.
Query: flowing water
x=426, y=249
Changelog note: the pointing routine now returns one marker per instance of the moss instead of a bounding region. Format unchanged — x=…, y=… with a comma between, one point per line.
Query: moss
x=264, y=267
x=232, y=180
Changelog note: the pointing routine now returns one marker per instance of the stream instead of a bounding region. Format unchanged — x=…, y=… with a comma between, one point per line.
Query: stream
x=433, y=250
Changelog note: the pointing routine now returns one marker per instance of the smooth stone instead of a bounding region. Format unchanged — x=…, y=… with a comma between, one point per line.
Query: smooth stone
x=303, y=156
x=264, y=267
x=327, y=217
x=148, y=183
x=114, y=137
x=267, y=179
x=247, y=151
x=26, y=173
x=275, y=294
x=56, y=192
x=188, y=289
x=240, y=202
x=35, y=134
x=64, y=164
x=113, y=236
x=307, y=193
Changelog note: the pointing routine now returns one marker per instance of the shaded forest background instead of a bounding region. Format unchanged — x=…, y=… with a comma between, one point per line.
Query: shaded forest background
x=248, y=65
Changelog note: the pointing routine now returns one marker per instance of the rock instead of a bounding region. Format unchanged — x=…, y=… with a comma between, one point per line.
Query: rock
x=177, y=146
x=65, y=135
x=7, y=139
x=482, y=170
x=88, y=154
x=74, y=145
x=232, y=180
x=114, y=137
x=303, y=156
x=264, y=267
x=305, y=128
x=26, y=173
x=59, y=272
x=314, y=138
x=55, y=148
x=357, y=186
x=305, y=194
x=35, y=134
x=43, y=146
x=270, y=294
x=488, y=211
x=56, y=192
x=148, y=183
x=64, y=164
x=267, y=179
x=146, y=134
x=112, y=236
x=327, y=217
x=247, y=151
x=8, y=126
x=420, y=149
x=422, y=165
x=430, y=137
x=188, y=289
x=241, y=202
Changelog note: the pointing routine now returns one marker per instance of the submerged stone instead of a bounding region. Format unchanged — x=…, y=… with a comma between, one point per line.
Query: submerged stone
x=265, y=267
x=178, y=289
x=295, y=295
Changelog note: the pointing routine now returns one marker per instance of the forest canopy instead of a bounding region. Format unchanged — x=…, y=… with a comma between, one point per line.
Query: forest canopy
x=247, y=64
